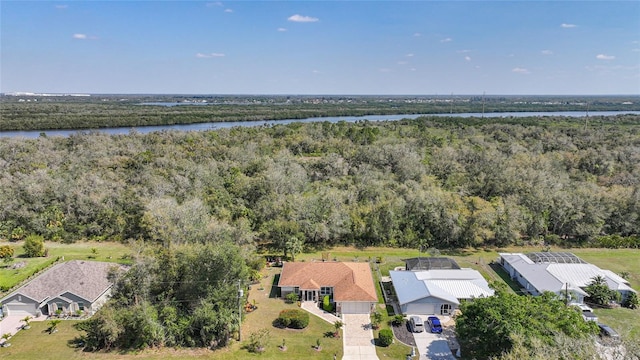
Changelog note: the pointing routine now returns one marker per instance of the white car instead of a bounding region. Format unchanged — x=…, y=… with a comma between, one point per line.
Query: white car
x=416, y=324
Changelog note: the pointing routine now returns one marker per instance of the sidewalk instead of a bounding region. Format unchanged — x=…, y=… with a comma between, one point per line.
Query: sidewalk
x=313, y=308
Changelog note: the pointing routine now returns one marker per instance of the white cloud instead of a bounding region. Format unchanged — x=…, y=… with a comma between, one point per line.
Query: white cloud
x=228, y=10
x=520, y=70
x=402, y=62
x=468, y=58
x=417, y=34
x=302, y=18
x=446, y=40
x=216, y=3
x=282, y=29
x=80, y=36
x=463, y=51
x=547, y=52
x=409, y=55
x=635, y=50
x=316, y=71
x=384, y=70
x=62, y=6
x=412, y=69
x=605, y=57
x=209, y=56
x=568, y=26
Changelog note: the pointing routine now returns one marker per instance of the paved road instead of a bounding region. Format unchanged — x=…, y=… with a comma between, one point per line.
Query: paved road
x=10, y=324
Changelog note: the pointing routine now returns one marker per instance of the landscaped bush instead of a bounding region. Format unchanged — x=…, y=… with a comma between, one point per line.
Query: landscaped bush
x=294, y=318
x=290, y=298
x=385, y=337
x=326, y=304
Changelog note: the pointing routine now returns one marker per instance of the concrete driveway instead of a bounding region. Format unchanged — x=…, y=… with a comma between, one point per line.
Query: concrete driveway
x=11, y=324
x=358, y=343
x=432, y=346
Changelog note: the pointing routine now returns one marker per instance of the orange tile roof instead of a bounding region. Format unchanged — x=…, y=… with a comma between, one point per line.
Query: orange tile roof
x=350, y=281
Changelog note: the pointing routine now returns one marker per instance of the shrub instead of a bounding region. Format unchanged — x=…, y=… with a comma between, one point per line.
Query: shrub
x=294, y=318
x=258, y=340
x=385, y=337
x=290, y=298
x=326, y=304
x=398, y=320
x=631, y=301
x=34, y=246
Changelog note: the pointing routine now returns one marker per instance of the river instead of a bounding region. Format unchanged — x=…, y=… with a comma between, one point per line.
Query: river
x=222, y=125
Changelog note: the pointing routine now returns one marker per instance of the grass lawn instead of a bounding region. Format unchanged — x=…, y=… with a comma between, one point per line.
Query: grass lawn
x=106, y=251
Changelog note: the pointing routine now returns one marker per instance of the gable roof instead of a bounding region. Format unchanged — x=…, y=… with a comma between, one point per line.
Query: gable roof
x=552, y=275
x=449, y=285
x=350, y=281
x=86, y=279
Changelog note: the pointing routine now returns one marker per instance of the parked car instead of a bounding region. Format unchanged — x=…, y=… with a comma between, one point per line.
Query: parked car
x=434, y=324
x=582, y=307
x=416, y=324
x=608, y=333
x=589, y=316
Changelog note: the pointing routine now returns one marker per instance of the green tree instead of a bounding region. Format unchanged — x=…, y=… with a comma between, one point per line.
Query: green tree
x=34, y=246
x=485, y=325
x=294, y=246
x=631, y=301
x=599, y=292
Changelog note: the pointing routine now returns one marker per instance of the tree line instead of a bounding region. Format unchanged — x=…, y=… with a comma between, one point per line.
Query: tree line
x=100, y=111
x=435, y=182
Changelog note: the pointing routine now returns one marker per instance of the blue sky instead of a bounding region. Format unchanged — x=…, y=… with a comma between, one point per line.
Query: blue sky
x=321, y=47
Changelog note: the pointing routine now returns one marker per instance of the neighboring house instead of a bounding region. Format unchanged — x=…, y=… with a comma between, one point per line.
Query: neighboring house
x=349, y=284
x=427, y=292
x=559, y=273
x=69, y=287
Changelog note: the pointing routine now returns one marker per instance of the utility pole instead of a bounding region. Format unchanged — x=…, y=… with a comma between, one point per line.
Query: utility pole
x=566, y=301
x=483, y=93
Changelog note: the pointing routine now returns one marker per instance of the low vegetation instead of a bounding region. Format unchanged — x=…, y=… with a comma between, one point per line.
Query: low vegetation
x=293, y=318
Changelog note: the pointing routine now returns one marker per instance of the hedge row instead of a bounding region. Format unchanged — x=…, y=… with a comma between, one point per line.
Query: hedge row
x=294, y=318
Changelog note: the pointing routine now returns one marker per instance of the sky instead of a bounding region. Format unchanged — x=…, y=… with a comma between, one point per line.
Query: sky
x=321, y=47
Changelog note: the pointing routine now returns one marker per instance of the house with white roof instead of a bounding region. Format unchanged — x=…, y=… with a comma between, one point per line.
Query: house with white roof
x=437, y=291
x=559, y=273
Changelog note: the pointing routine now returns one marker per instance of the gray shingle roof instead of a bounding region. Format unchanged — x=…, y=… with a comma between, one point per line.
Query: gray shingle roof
x=86, y=279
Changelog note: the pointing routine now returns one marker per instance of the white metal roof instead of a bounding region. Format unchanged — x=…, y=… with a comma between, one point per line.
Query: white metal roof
x=450, y=285
x=554, y=277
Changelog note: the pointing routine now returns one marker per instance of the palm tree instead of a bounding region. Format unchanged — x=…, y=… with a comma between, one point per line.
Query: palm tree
x=53, y=326
x=26, y=325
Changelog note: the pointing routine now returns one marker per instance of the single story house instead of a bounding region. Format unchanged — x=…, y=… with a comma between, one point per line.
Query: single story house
x=70, y=287
x=558, y=272
x=427, y=292
x=350, y=284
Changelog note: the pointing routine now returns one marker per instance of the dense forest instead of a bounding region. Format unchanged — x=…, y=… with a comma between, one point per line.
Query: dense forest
x=100, y=111
x=437, y=182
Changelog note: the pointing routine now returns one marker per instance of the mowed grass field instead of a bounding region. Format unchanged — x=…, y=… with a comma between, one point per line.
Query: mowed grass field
x=33, y=343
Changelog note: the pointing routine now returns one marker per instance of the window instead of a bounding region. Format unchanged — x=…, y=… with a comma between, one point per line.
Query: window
x=296, y=290
x=60, y=306
x=445, y=309
x=326, y=290
x=81, y=306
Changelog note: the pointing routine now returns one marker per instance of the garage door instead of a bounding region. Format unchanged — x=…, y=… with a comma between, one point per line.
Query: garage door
x=356, y=308
x=21, y=310
x=420, y=309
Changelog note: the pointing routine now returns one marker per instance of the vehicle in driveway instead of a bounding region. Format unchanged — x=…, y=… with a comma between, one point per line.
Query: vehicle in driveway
x=433, y=323
x=416, y=324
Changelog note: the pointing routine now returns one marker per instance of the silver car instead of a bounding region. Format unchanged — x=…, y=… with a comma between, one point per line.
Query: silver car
x=416, y=324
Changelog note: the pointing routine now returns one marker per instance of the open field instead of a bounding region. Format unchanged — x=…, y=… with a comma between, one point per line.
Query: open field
x=105, y=251
x=31, y=343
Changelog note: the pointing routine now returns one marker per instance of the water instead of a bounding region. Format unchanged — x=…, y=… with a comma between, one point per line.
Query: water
x=222, y=125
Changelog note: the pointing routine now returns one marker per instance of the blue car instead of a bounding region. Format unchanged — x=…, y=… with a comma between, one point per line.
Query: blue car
x=434, y=324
